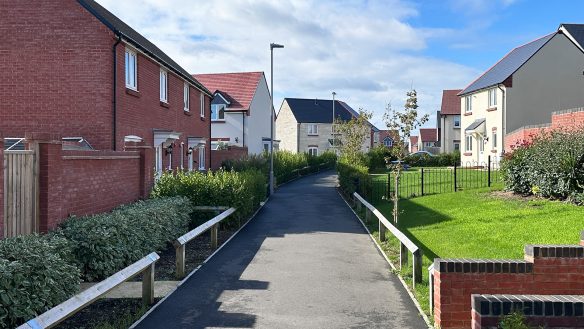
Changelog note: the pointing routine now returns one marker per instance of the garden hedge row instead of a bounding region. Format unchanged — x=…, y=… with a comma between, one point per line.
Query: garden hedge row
x=552, y=166
x=354, y=177
x=438, y=160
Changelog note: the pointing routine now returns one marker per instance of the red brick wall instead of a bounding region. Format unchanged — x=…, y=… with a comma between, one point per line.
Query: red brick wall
x=551, y=270
x=1, y=186
x=233, y=152
x=568, y=120
x=522, y=136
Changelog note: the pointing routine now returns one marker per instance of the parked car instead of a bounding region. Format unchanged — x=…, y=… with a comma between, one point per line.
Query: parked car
x=422, y=153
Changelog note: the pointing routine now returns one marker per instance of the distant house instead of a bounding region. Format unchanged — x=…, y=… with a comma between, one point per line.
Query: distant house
x=305, y=125
x=428, y=140
x=413, y=145
x=449, y=121
x=522, y=89
x=240, y=110
x=387, y=138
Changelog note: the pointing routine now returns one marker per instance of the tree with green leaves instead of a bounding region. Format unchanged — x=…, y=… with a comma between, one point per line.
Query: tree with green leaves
x=350, y=136
x=402, y=123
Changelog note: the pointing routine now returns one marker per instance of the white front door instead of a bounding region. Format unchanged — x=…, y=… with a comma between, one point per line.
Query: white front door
x=481, y=154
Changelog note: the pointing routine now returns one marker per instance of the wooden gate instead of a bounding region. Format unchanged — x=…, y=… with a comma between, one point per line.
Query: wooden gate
x=21, y=186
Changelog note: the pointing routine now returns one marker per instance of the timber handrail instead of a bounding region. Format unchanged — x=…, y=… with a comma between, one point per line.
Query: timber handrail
x=74, y=304
x=405, y=243
x=179, y=244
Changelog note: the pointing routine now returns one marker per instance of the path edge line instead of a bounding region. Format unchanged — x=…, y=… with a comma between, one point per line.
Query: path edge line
x=199, y=267
x=404, y=284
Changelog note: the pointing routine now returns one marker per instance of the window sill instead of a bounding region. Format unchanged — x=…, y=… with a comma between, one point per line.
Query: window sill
x=494, y=129
x=164, y=104
x=493, y=151
x=316, y=135
x=467, y=153
x=187, y=113
x=456, y=127
x=132, y=92
x=491, y=109
x=202, y=118
x=217, y=121
x=467, y=114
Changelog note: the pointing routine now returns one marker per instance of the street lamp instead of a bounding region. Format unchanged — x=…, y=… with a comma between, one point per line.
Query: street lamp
x=272, y=46
x=333, y=125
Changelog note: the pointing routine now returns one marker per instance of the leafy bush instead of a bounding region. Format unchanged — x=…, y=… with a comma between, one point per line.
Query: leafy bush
x=513, y=321
x=242, y=190
x=36, y=273
x=376, y=157
x=438, y=160
x=104, y=244
x=552, y=166
x=354, y=177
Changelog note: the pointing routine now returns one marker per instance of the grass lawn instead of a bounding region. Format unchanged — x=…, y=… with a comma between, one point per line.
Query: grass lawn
x=478, y=224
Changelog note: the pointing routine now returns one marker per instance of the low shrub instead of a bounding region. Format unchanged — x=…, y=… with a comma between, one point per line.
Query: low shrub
x=438, y=160
x=552, y=166
x=354, y=177
x=104, y=244
x=376, y=157
x=37, y=272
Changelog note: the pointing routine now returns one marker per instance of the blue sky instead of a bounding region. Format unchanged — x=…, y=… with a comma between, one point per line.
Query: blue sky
x=370, y=52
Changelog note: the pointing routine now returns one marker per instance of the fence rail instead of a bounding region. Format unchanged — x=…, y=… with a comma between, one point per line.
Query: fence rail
x=74, y=304
x=180, y=243
x=405, y=243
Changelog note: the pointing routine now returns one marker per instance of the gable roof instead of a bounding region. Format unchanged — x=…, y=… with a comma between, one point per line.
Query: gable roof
x=429, y=134
x=237, y=88
x=383, y=134
x=450, y=102
x=507, y=65
x=575, y=32
x=132, y=36
x=319, y=110
x=413, y=140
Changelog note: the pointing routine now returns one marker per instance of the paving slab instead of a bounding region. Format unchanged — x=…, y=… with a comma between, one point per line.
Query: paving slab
x=303, y=262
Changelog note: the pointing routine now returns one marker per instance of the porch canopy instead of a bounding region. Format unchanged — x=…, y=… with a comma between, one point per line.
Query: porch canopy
x=194, y=142
x=165, y=137
x=477, y=127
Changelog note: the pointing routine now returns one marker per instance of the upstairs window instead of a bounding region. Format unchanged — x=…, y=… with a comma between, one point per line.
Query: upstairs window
x=131, y=69
x=492, y=97
x=457, y=121
x=312, y=129
x=218, y=112
x=163, y=86
x=202, y=105
x=387, y=141
x=468, y=104
x=186, y=97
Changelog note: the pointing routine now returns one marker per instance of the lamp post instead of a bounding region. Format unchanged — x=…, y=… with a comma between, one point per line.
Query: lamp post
x=333, y=125
x=272, y=46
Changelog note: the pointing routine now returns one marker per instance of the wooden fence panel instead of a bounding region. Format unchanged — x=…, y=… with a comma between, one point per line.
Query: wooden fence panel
x=20, y=193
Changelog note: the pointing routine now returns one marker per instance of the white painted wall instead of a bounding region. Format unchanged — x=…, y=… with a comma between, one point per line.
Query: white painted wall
x=257, y=124
x=230, y=128
x=449, y=133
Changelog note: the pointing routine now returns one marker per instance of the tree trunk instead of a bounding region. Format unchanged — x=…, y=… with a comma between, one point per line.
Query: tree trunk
x=396, y=197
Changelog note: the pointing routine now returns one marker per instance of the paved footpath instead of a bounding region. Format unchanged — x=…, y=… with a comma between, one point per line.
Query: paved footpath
x=303, y=262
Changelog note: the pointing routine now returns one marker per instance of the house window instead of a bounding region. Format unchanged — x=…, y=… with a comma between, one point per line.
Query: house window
x=457, y=121
x=312, y=150
x=158, y=160
x=468, y=104
x=217, y=112
x=387, y=141
x=267, y=147
x=457, y=146
x=494, y=139
x=163, y=86
x=312, y=129
x=492, y=97
x=131, y=69
x=202, y=157
x=481, y=142
x=428, y=144
x=186, y=97
x=202, y=105
x=468, y=144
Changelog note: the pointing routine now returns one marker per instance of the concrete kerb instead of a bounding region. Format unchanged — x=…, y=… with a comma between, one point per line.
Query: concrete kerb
x=380, y=250
x=198, y=267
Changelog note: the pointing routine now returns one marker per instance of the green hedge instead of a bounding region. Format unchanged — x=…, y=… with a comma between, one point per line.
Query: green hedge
x=36, y=273
x=354, y=177
x=376, y=157
x=438, y=160
x=242, y=190
x=552, y=166
x=104, y=244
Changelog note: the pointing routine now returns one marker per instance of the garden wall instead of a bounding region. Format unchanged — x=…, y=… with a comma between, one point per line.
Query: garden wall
x=231, y=153
x=546, y=270
x=1, y=185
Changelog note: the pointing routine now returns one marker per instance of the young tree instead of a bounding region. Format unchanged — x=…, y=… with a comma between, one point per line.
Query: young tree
x=349, y=136
x=402, y=123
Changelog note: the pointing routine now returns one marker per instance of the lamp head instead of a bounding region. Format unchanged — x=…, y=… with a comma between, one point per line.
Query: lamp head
x=275, y=45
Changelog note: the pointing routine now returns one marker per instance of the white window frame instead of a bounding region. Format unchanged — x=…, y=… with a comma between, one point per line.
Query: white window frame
x=131, y=69
x=313, y=150
x=468, y=104
x=312, y=129
x=468, y=143
x=217, y=110
x=202, y=105
x=390, y=144
x=202, y=157
x=158, y=159
x=494, y=139
x=163, y=85
x=455, y=121
x=492, y=93
x=190, y=159
x=186, y=97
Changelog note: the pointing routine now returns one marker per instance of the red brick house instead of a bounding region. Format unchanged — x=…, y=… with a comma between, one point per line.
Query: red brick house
x=387, y=138
x=429, y=140
x=73, y=69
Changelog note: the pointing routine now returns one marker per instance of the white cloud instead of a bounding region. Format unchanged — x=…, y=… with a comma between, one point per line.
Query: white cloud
x=363, y=50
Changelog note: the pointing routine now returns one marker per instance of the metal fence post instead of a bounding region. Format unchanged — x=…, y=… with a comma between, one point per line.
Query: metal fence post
x=489, y=171
x=422, y=181
x=455, y=182
x=388, y=196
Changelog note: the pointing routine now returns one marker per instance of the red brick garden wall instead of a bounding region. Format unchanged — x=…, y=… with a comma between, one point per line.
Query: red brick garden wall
x=232, y=152
x=1, y=186
x=546, y=270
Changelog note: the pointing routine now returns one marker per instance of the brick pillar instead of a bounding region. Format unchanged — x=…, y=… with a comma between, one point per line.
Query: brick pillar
x=50, y=179
x=146, y=167
x=1, y=186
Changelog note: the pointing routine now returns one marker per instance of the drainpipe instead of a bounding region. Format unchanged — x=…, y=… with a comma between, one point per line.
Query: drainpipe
x=504, y=124
x=243, y=129
x=115, y=85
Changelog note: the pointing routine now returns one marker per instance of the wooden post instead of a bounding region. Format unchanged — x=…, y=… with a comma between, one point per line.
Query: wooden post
x=359, y=205
x=403, y=255
x=382, y=230
x=417, y=270
x=367, y=215
x=148, y=285
x=180, y=261
x=214, y=234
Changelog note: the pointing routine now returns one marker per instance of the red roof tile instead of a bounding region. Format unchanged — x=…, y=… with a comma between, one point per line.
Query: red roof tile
x=238, y=88
x=450, y=102
x=388, y=133
x=413, y=140
x=429, y=134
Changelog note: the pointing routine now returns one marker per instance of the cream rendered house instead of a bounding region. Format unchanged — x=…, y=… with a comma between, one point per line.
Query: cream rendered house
x=522, y=89
x=449, y=121
x=305, y=125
